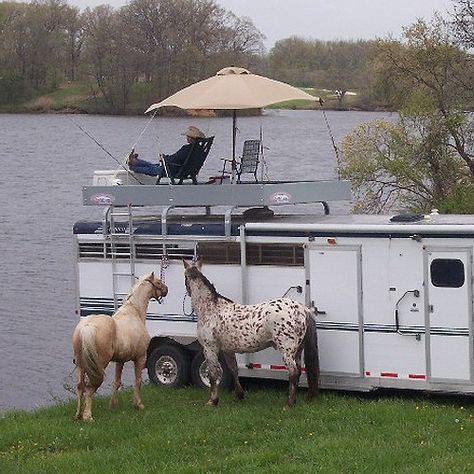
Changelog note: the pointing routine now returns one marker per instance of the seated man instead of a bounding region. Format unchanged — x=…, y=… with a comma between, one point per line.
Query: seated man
x=173, y=162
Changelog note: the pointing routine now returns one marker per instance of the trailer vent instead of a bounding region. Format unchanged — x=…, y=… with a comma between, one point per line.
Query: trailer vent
x=219, y=252
x=153, y=251
x=257, y=254
x=407, y=218
x=91, y=250
x=275, y=254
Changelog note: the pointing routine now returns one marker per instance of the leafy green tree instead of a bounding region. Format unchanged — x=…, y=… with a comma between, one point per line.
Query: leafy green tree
x=405, y=164
x=110, y=56
x=334, y=65
x=418, y=161
x=181, y=41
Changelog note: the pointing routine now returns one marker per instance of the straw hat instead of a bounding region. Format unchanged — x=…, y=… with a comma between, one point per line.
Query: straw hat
x=193, y=132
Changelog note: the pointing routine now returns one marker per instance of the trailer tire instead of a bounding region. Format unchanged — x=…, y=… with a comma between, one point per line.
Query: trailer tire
x=199, y=373
x=168, y=366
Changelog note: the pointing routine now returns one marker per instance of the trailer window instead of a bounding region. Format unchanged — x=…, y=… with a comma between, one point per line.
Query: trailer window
x=447, y=273
x=257, y=254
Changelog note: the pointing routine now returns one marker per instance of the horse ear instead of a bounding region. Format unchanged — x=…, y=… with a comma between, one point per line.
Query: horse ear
x=186, y=264
x=152, y=275
x=198, y=264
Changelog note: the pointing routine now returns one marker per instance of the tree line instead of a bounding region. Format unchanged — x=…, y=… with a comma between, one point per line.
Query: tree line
x=165, y=44
x=155, y=47
x=151, y=48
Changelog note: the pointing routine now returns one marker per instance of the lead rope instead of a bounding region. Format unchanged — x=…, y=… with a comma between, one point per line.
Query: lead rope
x=164, y=265
x=191, y=314
x=336, y=151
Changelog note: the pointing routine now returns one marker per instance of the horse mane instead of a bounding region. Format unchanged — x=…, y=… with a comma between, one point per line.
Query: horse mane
x=194, y=273
x=134, y=287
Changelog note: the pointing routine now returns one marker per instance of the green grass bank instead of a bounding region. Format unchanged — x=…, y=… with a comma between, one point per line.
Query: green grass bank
x=176, y=433
x=85, y=98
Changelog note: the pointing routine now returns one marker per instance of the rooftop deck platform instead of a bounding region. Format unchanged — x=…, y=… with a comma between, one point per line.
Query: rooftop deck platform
x=274, y=193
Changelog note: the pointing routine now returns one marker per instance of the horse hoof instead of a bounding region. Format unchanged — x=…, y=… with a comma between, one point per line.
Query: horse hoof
x=139, y=406
x=239, y=395
x=212, y=403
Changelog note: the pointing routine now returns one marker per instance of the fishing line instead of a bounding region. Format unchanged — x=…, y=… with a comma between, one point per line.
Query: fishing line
x=336, y=151
x=103, y=148
x=144, y=129
x=264, y=167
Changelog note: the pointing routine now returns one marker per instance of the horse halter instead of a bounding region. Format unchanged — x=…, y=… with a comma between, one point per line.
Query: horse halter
x=157, y=298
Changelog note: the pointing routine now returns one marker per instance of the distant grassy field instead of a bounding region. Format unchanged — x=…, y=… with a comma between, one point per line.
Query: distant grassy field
x=330, y=101
x=82, y=97
x=176, y=433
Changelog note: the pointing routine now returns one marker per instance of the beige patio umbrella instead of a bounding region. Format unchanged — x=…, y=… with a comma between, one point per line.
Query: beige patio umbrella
x=233, y=88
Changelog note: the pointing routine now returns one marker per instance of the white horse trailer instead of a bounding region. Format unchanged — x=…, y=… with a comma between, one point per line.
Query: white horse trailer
x=393, y=295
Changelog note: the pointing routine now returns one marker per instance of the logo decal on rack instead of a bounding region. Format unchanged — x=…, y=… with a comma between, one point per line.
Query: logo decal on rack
x=102, y=199
x=280, y=197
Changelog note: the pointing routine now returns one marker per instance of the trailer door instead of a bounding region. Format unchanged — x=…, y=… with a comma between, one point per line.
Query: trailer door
x=449, y=314
x=333, y=274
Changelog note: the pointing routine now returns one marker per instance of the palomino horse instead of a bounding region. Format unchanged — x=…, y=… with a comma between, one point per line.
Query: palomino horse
x=223, y=325
x=99, y=339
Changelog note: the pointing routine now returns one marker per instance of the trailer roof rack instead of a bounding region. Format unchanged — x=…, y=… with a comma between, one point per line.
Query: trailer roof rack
x=243, y=195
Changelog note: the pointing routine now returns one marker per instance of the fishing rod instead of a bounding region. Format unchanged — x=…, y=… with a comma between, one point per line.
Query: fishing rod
x=336, y=151
x=104, y=149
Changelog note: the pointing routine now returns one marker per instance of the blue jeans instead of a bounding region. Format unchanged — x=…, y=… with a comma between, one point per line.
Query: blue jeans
x=145, y=167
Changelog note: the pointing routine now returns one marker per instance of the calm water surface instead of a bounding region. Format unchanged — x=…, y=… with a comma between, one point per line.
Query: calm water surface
x=45, y=160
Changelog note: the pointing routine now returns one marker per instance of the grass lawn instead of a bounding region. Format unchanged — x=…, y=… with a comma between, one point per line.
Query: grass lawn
x=176, y=433
x=85, y=97
x=329, y=98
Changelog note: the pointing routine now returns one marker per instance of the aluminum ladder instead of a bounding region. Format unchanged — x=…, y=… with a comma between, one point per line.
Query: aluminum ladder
x=122, y=250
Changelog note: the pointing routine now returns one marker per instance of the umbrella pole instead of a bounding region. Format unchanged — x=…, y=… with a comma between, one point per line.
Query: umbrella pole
x=234, y=133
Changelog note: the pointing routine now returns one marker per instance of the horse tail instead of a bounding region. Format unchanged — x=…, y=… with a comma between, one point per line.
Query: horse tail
x=89, y=357
x=311, y=356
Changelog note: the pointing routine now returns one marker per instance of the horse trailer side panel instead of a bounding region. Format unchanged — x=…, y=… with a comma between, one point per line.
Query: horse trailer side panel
x=393, y=309
x=449, y=313
x=271, y=282
x=335, y=289
x=225, y=278
x=390, y=355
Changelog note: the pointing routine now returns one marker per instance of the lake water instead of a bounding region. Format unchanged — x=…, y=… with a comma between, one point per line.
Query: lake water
x=46, y=159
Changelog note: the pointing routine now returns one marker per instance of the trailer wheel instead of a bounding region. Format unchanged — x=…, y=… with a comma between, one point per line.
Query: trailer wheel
x=168, y=366
x=199, y=374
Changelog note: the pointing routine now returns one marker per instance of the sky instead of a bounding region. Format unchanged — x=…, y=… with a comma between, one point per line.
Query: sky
x=323, y=19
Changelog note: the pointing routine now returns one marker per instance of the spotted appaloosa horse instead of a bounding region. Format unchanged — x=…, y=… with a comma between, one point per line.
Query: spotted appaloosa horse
x=99, y=339
x=223, y=325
